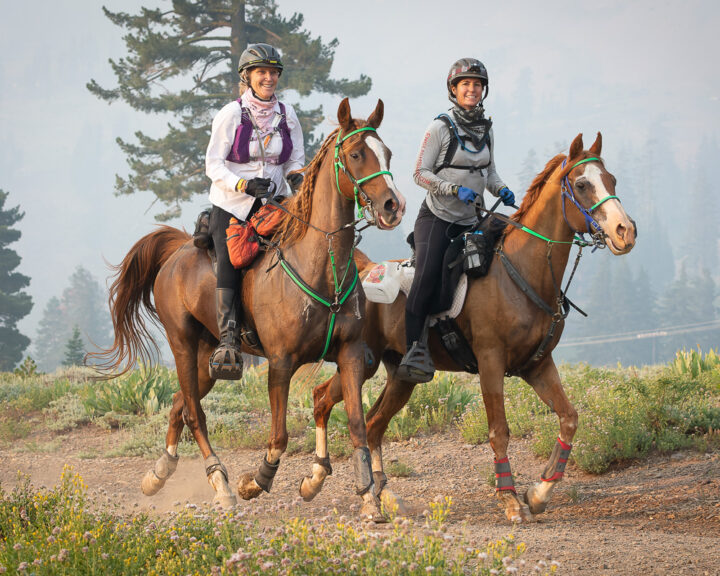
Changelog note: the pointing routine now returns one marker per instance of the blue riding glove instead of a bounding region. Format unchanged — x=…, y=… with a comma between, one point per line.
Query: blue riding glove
x=465, y=194
x=507, y=197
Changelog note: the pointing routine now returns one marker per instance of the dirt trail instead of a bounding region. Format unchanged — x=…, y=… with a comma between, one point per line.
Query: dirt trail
x=659, y=516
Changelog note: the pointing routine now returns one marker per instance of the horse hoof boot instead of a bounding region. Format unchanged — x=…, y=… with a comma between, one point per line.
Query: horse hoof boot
x=306, y=489
x=155, y=479
x=151, y=484
x=247, y=487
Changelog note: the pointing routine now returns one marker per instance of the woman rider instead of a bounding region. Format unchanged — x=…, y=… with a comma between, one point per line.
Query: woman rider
x=255, y=142
x=455, y=165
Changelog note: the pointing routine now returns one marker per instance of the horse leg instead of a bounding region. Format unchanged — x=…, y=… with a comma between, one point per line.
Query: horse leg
x=351, y=368
x=216, y=472
x=391, y=400
x=492, y=382
x=323, y=402
x=191, y=360
x=249, y=485
x=155, y=478
x=546, y=382
x=325, y=396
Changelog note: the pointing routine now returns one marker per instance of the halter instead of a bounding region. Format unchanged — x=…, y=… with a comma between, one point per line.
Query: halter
x=598, y=237
x=367, y=210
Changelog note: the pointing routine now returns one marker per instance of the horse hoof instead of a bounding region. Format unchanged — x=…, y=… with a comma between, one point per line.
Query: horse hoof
x=225, y=501
x=519, y=515
x=247, y=487
x=306, y=489
x=392, y=504
x=370, y=511
x=535, y=505
x=151, y=484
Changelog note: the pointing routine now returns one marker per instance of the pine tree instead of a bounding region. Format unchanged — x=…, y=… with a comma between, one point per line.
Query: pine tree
x=183, y=60
x=14, y=303
x=51, y=336
x=74, y=349
x=83, y=304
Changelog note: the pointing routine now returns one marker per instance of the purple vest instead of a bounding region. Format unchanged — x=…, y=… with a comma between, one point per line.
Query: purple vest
x=240, y=151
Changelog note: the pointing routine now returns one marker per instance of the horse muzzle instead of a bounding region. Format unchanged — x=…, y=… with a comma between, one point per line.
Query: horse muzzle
x=389, y=213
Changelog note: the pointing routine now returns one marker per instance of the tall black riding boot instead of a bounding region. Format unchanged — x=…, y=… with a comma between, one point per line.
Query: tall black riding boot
x=226, y=362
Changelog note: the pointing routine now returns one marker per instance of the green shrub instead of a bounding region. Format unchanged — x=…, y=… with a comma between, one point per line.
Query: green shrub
x=136, y=392
x=692, y=363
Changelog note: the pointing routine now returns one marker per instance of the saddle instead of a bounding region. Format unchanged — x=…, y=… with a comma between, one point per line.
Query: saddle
x=470, y=254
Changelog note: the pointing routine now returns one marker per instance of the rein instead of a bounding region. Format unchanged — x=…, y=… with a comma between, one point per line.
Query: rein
x=334, y=304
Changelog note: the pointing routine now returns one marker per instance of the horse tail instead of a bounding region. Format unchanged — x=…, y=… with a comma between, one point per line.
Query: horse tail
x=131, y=304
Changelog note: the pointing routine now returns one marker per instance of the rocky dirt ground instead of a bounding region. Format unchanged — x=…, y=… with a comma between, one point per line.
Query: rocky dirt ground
x=657, y=516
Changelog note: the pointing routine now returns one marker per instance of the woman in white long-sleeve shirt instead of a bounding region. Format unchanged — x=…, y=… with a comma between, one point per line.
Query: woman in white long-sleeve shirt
x=255, y=142
x=455, y=165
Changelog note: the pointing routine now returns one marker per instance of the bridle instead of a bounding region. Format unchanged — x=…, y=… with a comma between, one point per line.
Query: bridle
x=367, y=211
x=366, y=208
x=567, y=192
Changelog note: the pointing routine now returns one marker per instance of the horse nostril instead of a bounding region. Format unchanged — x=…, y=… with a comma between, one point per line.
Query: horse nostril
x=390, y=206
x=621, y=231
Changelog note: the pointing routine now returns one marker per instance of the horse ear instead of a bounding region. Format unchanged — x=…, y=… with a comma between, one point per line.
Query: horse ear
x=596, y=148
x=344, y=116
x=576, y=147
x=377, y=116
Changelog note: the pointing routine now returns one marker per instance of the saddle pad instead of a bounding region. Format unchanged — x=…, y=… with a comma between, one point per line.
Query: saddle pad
x=384, y=281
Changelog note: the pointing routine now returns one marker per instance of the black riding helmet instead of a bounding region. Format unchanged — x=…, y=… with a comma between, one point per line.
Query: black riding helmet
x=259, y=55
x=467, y=68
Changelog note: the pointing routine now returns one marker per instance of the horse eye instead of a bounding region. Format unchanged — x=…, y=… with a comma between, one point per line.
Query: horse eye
x=354, y=155
x=580, y=185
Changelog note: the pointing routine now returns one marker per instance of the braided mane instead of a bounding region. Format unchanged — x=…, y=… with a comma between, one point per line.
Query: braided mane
x=292, y=229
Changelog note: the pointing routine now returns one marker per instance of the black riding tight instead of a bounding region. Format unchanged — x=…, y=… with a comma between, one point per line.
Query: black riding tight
x=227, y=275
x=432, y=238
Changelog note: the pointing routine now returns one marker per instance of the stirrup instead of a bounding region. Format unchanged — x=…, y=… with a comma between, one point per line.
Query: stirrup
x=226, y=362
x=416, y=366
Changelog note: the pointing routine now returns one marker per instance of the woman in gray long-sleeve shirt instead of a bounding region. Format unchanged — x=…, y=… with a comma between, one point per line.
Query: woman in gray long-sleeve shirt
x=455, y=165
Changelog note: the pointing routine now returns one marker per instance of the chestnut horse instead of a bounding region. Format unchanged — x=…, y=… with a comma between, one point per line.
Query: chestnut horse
x=506, y=330
x=306, y=307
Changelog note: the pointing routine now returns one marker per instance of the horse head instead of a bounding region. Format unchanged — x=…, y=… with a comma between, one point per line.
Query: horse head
x=592, y=205
x=362, y=164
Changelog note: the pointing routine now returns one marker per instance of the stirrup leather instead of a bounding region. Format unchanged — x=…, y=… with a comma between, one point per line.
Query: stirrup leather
x=417, y=365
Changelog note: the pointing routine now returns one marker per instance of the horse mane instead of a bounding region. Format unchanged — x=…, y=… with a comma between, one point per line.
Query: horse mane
x=291, y=229
x=533, y=192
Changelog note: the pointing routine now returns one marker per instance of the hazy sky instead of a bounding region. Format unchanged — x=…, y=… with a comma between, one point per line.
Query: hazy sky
x=556, y=68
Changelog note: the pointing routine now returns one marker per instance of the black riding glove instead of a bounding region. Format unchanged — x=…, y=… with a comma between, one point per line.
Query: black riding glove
x=258, y=187
x=295, y=179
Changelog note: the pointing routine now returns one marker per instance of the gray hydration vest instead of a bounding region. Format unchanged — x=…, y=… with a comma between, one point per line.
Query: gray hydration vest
x=458, y=141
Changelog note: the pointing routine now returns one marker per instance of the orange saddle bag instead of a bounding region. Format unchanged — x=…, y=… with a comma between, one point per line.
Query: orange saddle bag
x=267, y=219
x=242, y=243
